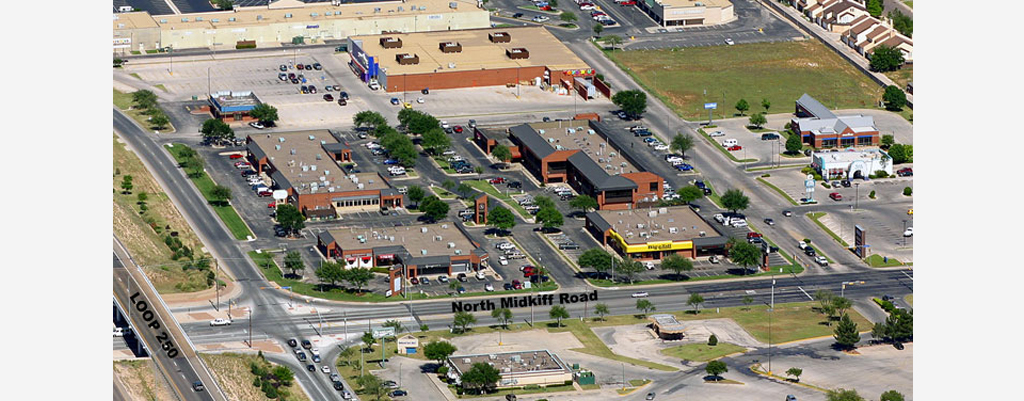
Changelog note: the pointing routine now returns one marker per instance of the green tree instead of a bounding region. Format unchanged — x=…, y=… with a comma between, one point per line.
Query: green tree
x=395, y=325
x=884, y=58
x=503, y=315
x=758, y=120
x=568, y=17
x=358, y=277
x=542, y=201
x=841, y=304
x=550, y=218
x=369, y=119
x=845, y=333
x=795, y=372
x=421, y=122
x=612, y=41
x=346, y=355
x=462, y=320
x=601, y=310
x=407, y=115
x=595, y=258
x=879, y=331
x=794, y=143
x=735, y=200
x=633, y=102
x=598, y=28
x=223, y=4
x=824, y=298
x=644, y=306
x=900, y=325
x=713, y=340
x=159, y=121
x=264, y=112
x=584, y=203
x=681, y=143
x=747, y=300
x=501, y=219
x=887, y=141
x=558, y=313
x=126, y=185
x=329, y=272
x=371, y=385
x=290, y=218
x=464, y=190
x=677, y=264
x=695, y=301
x=416, y=194
x=716, y=368
x=214, y=129
x=448, y=184
x=283, y=375
x=901, y=153
x=434, y=208
x=902, y=23
x=891, y=395
x=874, y=8
x=144, y=99
x=766, y=104
x=894, y=98
x=368, y=340
x=481, y=377
x=143, y=197
x=221, y=195
x=742, y=106
x=690, y=193
x=293, y=262
x=629, y=268
x=843, y=394
x=439, y=350
x=501, y=152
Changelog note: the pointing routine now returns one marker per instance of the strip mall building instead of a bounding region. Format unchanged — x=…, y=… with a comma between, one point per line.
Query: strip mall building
x=579, y=153
x=305, y=164
x=653, y=234
x=402, y=62
x=422, y=250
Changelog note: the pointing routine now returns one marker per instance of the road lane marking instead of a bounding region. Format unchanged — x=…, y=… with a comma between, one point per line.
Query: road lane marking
x=805, y=293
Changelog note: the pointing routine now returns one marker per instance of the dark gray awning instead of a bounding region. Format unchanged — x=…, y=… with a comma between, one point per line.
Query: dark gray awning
x=703, y=242
x=598, y=221
x=532, y=140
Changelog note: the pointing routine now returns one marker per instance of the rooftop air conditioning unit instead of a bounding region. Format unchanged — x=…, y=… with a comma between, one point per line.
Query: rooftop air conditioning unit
x=499, y=37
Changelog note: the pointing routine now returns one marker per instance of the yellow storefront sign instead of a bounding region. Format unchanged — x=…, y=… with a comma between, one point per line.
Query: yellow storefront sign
x=651, y=246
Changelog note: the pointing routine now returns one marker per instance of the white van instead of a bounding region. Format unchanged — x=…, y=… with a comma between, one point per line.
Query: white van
x=729, y=142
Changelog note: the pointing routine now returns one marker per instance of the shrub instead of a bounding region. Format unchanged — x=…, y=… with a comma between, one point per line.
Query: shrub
x=881, y=174
x=531, y=387
x=872, y=194
x=766, y=175
x=807, y=170
x=712, y=341
x=907, y=191
x=442, y=370
x=246, y=44
x=807, y=240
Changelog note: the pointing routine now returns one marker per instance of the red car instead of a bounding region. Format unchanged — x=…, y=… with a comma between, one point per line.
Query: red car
x=627, y=2
x=835, y=196
x=458, y=129
x=497, y=180
x=265, y=193
x=271, y=205
x=735, y=148
x=753, y=234
x=414, y=280
x=235, y=156
x=517, y=285
x=905, y=172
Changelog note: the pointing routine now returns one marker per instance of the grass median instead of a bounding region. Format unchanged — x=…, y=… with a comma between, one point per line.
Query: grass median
x=489, y=189
x=123, y=101
x=701, y=352
x=205, y=185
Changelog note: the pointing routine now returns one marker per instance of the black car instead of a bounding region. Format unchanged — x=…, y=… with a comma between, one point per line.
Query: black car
x=306, y=344
x=507, y=286
x=898, y=345
x=304, y=89
x=769, y=137
x=317, y=66
x=311, y=367
x=246, y=173
x=810, y=251
x=291, y=341
x=309, y=67
x=399, y=393
x=845, y=183
x=312, y=89
x=514, y=185
x=301, y=356
x=425, y=91
x=329, y=98
x=343, y=95
x=568, y=246
x=338, y=386
x=517, y=15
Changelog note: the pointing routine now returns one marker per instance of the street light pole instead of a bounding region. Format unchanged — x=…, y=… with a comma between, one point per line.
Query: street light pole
x=904, y=231
x=856, y=198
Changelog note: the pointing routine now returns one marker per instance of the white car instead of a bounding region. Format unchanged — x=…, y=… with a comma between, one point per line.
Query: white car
x=661, y=147
x=326, y=369
x=220, y=322
x=257, y=125
x=540, y=18
x=444, y=124
x=640, y=294
x=716, y=134
x=649, y=265
x=821, y=261
x=729, y=42
x=586, y=7
x=488, y=287
x=419, y=100
x=122, y=331
x=909, y=232
x=403, y=190
x=505, y=245
x=502, y=260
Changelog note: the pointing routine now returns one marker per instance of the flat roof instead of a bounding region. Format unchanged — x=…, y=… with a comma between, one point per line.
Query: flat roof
x=297, y=162
x=438, y=239
x=512, y=363
x=667, y=323
x=694, y=3
x=290, y=11
x=658, y=223
x=850, y=155
x=577, y=134
x=478, y=52
x=133, y=20
x=228, y=101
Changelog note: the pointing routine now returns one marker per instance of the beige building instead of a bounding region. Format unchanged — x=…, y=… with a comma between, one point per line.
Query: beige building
x=287, y=19
x=688, y=12
x=867, y=33
x=518, y=369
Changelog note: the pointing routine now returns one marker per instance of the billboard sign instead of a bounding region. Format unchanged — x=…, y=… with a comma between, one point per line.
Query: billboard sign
x=710, y=106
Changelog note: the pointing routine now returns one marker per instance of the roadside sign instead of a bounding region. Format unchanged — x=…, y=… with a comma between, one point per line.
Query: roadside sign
x=383, y=332
x=710, y=106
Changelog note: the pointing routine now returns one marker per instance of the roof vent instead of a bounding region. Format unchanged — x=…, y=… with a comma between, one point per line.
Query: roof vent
x=450, y=47
x=390, y=42
x=517, y=53
x=407, y=59
x=499, y=37
x=453, y=5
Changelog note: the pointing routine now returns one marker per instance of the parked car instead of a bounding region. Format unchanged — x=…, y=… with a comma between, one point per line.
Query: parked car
x=317, y=66
x=769, y=136
x=328, y=97
x=836, y=196
x=293, y=342
x=257, y=125
x=729, y=42
x=821, y=261
x=443, y=279
x=517, y=15
x=905, y=172
x=311, y=367
x=395, y=101
x=306, y=344
x=507, y=286
x=399, y=393
x=220, y=322
x=716, y=134
x=809, y=251
x=540, y=18
x=734, y=148
x=909, y=232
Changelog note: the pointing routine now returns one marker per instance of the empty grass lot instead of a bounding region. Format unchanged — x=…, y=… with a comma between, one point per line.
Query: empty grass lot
x=780, y=72
x=226, y=213
x=235, y=377
x=123, y=101
x=702, y=352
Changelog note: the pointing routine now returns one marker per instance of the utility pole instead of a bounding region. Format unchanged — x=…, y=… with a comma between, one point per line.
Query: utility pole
x=250, y=327
x=856, y=198
x=216, y=281
x=209, y=89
